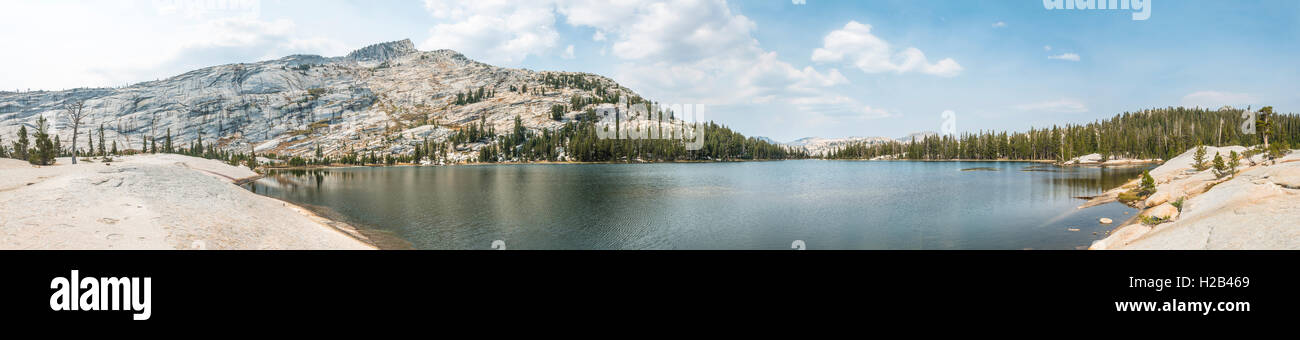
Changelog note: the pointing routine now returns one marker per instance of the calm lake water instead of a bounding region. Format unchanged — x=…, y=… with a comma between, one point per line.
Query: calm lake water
x=750, y=205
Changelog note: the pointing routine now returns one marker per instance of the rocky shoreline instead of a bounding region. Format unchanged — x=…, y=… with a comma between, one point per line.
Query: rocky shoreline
x=162, y=201
x=1255, y=209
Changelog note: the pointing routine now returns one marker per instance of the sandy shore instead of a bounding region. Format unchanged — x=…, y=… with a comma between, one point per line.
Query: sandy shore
x=1257, y=209
x=153, y=202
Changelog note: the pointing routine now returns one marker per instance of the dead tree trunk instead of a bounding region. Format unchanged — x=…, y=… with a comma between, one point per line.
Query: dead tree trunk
x=76, y=112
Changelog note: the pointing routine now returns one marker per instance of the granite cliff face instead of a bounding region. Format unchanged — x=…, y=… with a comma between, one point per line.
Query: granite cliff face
x=384, y=98
x=821, y=146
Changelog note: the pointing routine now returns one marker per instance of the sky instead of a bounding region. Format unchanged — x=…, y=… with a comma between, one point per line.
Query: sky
x=784, y=69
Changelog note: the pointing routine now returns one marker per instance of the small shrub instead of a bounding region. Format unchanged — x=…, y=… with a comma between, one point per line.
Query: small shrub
x=1148, y=186
x=1278, y=150
x=557, y=112
x=1130, y=196
x=1151, y=220
x=1249, y=155
x=315, y=92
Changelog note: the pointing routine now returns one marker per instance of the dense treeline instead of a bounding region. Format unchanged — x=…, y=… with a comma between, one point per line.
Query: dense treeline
x=596, y=89
x=471, y=97
x=1158, y=133
x=579, y=141
x=44, y=148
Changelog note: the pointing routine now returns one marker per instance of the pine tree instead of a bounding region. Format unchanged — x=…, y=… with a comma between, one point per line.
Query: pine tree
x=1220, y=168
x=1264, y=124
x=1198, y=159
x=557, y=112
x=90, y=143
x=102, y=152
x=1234, y=161
x=252, y=160
x=167, y=144
x=43, y=154
x=1148, y=184
x=418, y=154
x=20, y=147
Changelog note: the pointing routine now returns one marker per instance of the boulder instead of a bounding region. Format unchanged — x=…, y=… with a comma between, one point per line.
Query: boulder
x=1165, y=212
x=1104, y=220
x=1087, y=159
x=1158, y=198
x=1121, y=237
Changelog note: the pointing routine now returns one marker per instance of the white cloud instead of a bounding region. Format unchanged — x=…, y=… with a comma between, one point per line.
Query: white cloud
x=687, y=51
x=1065, y=56
x=836, y=110
x=875, y=113
x=568, y=53
x=1217, y=99
x=1047, y=47
x=95, y=44
x=999, y=24
x=1057, y=106
x=669, y=31
x=694, y=51
x=495, y=31
x=856, y=45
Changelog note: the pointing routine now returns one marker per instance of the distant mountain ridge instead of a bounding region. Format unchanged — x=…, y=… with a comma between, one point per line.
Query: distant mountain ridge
x=917, y=136
x=819, y=145
x=384, y=51
x=385, y=98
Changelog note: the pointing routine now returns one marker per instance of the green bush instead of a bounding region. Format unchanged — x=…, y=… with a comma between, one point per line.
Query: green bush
x=1148, y=184
x=315, y=92
x=557, y=112
x=1130, y=196
x=1278, y=150
x=1151, y=220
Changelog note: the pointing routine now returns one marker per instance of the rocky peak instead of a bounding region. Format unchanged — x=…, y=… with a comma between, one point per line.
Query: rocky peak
x=449, y=55
x=292, y=105
x=384, y=51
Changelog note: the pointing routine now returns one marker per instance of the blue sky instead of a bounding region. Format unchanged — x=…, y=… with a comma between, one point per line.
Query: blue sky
x=772, y=68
